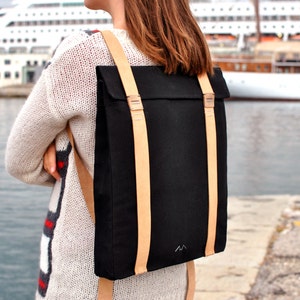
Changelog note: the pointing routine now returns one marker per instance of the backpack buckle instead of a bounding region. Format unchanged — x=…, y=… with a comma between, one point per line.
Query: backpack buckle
x=135, y=102
x=209, y=100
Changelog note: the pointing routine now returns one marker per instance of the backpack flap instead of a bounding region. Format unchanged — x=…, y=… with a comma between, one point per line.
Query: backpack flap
x=163, y=87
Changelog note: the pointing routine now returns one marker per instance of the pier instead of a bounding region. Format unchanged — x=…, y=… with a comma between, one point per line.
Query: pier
x=16, y=91
x=262, y=257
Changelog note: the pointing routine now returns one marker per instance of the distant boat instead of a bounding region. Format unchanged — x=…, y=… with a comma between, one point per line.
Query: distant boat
x=270, y=69
x=260, y=86
x=271, y=72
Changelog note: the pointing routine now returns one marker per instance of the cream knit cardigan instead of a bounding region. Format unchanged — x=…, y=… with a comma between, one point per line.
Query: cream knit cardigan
x=66, y=91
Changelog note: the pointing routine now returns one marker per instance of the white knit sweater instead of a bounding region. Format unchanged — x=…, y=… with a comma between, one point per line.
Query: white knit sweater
x=66, y=91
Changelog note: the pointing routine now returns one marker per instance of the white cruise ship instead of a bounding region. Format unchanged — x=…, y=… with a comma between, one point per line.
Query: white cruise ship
x=37, y=26
x=31, y=29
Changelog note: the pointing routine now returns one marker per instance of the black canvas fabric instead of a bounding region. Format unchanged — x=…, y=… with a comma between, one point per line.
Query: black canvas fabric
x=174, y=112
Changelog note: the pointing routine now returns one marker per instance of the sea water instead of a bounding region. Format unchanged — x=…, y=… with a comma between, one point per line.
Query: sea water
x=263, y=158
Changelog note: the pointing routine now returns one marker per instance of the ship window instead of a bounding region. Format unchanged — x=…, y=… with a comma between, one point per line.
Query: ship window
x=296, y=56
x=26, y=40
x=258, y=68
x=19, y=40
x=7, y=61
x=72, y=4
x=39, y=5
x=4, y=41
x=7, y=75
x=237, y=67
x=17, y=75
x=11, y=40
x=34, y=40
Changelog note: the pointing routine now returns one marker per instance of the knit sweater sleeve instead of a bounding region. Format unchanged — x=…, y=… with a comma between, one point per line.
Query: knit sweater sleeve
x=34, y=129
x=37, y=125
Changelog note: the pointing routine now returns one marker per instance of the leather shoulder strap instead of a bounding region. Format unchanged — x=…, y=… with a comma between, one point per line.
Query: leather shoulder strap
x=141, y=150
x=212, y=169
x=86, y=181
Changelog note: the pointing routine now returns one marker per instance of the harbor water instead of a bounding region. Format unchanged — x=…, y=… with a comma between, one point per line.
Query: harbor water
x=263, y=158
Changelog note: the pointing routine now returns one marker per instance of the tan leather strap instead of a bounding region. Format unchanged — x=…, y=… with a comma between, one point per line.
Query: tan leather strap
x=191, y=280
x=86, y=183
x=85, y=178
x=141, y=150
x=105, y=289
x=211, y=140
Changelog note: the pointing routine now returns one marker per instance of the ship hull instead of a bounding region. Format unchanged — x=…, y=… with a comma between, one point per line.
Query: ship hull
x=263, y=86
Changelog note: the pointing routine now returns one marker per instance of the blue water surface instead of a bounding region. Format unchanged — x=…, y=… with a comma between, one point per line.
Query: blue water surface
x=263, y=158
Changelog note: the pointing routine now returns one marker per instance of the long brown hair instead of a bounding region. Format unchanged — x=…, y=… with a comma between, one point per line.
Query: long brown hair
x=167, y=32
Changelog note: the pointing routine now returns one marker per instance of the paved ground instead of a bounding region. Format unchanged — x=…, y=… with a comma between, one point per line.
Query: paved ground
x=262, y=258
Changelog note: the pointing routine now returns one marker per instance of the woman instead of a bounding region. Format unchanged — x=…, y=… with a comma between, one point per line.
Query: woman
x=152, y=32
